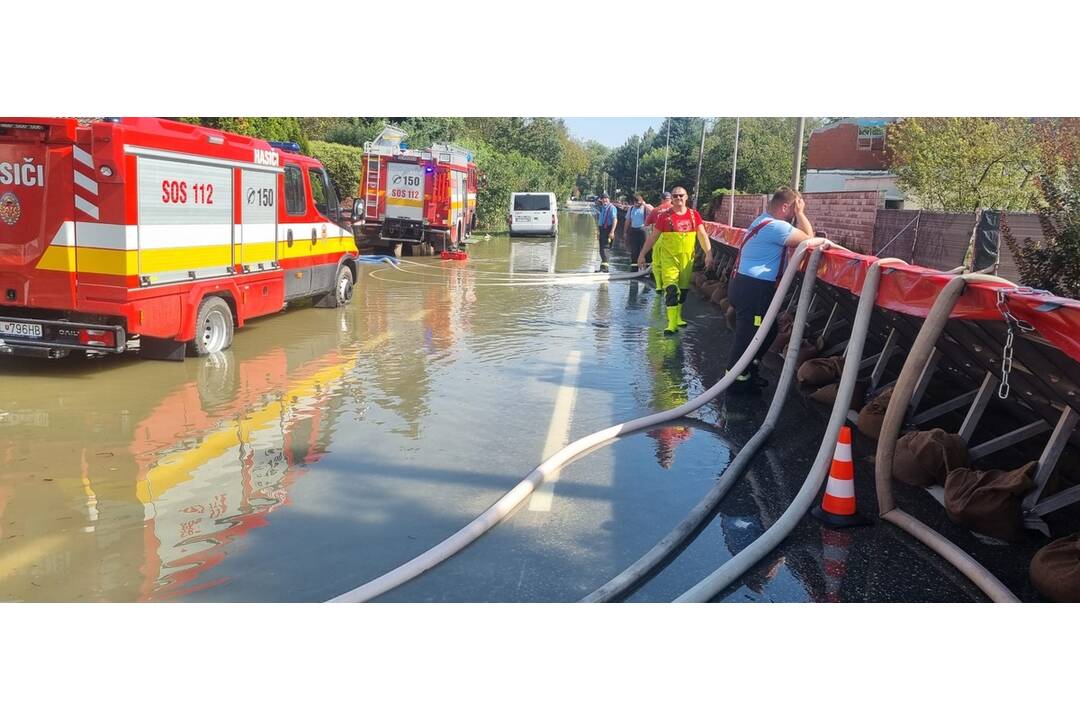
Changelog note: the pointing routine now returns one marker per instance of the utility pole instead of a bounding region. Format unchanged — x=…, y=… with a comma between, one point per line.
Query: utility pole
x=734, y=164
x=700, y=157
x=637, y=161
x=667, y=149
x=796, y=165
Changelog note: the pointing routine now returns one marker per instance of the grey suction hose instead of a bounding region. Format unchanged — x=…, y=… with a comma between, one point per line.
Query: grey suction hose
x=502, y=507
x=890, y=429
x=743, y=561
x=632, y=576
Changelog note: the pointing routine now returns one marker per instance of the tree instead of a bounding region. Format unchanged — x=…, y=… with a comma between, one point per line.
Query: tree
x=764, y=155
x=1054, y=262
x=965, y=163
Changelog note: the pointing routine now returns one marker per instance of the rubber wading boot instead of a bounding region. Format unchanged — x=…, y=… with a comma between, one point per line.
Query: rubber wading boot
x=672, y=320
x=744, y=385
x=755, y=375
x=678, y=315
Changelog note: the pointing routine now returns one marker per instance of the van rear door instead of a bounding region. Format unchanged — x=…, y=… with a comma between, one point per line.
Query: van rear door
x=532, y=209
x=37, y=230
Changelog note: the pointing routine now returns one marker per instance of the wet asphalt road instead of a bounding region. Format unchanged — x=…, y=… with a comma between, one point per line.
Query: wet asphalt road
x=328, y=446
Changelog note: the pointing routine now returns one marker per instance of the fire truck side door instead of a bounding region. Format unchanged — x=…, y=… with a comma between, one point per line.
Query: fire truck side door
x=258, y=232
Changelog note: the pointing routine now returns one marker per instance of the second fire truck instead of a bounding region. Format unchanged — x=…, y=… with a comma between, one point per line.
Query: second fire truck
x=415, y=202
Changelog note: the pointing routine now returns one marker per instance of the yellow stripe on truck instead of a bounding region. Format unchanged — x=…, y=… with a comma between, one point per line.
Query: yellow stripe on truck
x=101, y=261
x=257, y=252
x=404, y=202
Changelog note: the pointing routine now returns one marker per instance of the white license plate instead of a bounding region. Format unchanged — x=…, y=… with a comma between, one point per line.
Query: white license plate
x=22, y=329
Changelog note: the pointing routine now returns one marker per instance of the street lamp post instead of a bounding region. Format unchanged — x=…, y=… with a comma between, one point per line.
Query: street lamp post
x=637, y=161
x=796, y=165
x=667, y=149
x=734, y=165
x=700, y=157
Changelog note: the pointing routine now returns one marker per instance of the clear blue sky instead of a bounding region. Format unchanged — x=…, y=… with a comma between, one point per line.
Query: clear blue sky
x=610, y=131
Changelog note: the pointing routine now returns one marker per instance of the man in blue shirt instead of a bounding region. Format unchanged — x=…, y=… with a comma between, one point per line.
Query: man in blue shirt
x=635, y=228
x=606, y=219
x=784, y=224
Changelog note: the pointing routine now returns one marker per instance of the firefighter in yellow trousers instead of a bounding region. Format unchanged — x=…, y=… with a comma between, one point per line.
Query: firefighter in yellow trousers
x=672, y=244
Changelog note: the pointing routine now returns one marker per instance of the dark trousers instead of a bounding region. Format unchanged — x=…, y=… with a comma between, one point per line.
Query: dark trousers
x=605, y=243
x=750, y=297
x=635, y=240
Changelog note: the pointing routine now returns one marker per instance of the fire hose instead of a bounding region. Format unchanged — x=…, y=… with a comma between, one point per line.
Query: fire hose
x=506, y=504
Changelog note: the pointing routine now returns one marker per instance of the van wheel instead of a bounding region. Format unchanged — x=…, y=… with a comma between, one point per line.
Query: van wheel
x=343, y=288
x=213, y=327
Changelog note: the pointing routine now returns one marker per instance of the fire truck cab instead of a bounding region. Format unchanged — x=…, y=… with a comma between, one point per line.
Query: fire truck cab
x=158, y=230
x=415, y=202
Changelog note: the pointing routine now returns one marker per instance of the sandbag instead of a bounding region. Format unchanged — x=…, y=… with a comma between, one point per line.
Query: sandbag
x=729, y=314
x=826, y=395
x=779, y=345
x=872, y=416
x=988, y=501
x=723, y=302
x=925, y=457
x=697, y=278
x=806, y=351
x=709, y=287
x=1055, y=570
x=820, y=371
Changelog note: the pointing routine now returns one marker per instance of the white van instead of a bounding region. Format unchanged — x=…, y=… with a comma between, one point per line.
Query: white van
x=533, y=214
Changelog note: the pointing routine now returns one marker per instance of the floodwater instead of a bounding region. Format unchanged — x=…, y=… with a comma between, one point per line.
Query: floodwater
x=328, y=446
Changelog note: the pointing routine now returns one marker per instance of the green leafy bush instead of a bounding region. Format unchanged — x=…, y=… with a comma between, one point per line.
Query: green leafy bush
x=1053, y=263
x=342, y=162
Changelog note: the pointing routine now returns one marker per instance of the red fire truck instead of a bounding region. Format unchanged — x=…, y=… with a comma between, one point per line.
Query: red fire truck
x=160, y=231
x=416, y=201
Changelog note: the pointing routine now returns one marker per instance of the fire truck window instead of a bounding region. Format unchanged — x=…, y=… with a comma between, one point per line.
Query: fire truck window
x=294, y=191
x=331, y=200
x=319, y=190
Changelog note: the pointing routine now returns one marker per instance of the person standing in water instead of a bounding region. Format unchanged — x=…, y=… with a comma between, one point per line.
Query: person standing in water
x=672, y=243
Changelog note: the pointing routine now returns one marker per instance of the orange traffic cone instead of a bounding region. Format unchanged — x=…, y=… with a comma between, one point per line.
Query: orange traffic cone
x=838, y=506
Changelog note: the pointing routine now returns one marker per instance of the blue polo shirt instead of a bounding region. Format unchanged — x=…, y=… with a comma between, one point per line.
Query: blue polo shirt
x=606, y=216
x=762, y=256
x=636, y=215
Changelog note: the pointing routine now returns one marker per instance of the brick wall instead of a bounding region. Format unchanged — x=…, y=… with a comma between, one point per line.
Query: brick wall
x=847, y=217
x=747, y=207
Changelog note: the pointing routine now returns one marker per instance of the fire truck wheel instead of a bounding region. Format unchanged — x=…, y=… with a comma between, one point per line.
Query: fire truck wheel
x=343, y=288
x=396, y=249
x=213, y=327
x=426, y=249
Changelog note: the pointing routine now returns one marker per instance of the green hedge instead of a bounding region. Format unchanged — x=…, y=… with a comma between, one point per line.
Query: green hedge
x=342, y=163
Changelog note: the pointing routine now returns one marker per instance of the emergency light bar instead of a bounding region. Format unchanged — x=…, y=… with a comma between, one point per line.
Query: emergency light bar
x=288, y=145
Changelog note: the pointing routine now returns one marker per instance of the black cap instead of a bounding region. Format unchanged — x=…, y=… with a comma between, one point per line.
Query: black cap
x=603, y=195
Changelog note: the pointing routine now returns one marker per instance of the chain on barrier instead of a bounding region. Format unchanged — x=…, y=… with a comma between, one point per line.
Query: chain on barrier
x=1011, y=322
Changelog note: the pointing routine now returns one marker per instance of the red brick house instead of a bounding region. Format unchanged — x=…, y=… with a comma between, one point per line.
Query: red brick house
x=850, y=154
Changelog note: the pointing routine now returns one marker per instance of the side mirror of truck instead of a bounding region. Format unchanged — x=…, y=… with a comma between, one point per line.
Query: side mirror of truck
x=358, y=210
